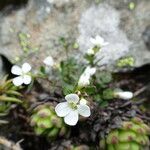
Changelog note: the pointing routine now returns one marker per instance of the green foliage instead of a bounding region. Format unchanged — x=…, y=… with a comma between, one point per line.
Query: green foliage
x=104, y=78
x=108, y=94
x=45, y=122
x=24, y=42
x=126, y=62
x=8, y=94
x=133, y=135
x=90, y=58
x=70, y=73
x=26, y=46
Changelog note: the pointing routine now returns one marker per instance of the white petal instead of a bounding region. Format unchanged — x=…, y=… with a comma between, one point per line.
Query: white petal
x=18, y=81
x=72, y=118
x=83, y=101
x=62, y=109
x=84, y=110
x=89, y=71
x=16, y=70
x=72, y=98
x=84, y=81
x=90, y=51
x=92, y=40
x=26, y=67
x=99, y=39
x=27, y=79
x=49, y=61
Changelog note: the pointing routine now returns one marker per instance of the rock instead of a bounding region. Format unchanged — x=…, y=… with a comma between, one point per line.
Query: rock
x=1, y=69
x=42, y=22
x=146, y=37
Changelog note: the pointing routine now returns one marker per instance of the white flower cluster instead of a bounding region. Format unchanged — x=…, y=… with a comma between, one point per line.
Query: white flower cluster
x=74, y=106
x=71, y=109
x=23, y=73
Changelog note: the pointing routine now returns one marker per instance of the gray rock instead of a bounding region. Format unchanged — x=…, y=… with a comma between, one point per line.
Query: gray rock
x=1, y=69
x=45, y=21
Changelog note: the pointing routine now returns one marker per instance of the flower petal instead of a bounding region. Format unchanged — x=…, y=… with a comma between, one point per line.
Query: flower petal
x=49, y=61
x=72, y=98
x=18, y=81
x=62, y=109
x=72, y=118
x=89, y=71
x=27, y=79
x=99, y=39
x=84, y=110
x=84, y=80
x=16, y=70
x=26, y=67
x=83, y=101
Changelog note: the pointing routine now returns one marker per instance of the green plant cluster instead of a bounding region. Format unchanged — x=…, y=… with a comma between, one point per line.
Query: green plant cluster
x=8, y=94
x=45, y=122
x=126, y=62
x=70, y=72
x=133, y=135
x=26, y=45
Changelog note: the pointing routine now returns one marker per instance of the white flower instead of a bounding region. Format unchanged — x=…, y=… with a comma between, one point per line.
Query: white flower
x=89, y=71
x=48, y=61
x=22, y=73
x=84, y=79
x=90, y=51
x=124, y=95
x=71, y=109
x=98, y=41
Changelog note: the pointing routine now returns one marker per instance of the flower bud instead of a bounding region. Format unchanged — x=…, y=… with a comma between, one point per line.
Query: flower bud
x=123, y=95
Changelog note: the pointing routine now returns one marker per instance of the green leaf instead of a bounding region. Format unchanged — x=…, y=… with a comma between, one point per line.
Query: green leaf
x=11, y=92
x=67, y=89
x=97, y=98
x=108, y=94
x=105, y=77
x=10, y=99
x=42, y=70
x=104, y=104
x=90, y=90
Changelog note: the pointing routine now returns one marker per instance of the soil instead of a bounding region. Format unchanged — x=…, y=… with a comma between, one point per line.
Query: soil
x=95, y=127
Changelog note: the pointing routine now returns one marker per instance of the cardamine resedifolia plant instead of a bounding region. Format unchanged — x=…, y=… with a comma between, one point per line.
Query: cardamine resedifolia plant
x=133, y=135
x=84, y=89
x=45, y=122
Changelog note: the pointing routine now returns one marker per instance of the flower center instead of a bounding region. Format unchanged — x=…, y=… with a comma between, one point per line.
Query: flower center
x=72, y=106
